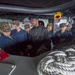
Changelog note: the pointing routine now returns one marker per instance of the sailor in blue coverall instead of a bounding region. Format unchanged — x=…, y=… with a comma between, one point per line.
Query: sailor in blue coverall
x=7, y=43
x=50, y=32
x=20, y=36
x=63, y=35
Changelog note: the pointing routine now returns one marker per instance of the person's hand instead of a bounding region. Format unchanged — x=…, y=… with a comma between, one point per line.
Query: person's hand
x=29, y=46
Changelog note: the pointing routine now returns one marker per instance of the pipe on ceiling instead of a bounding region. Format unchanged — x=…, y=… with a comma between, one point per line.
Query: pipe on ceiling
x=19, y=9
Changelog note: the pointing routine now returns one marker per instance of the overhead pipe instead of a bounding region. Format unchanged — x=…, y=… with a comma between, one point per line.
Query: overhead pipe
x=19, y=9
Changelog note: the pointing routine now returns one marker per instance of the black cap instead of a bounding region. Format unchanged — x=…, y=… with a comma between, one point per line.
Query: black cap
x=63, y=25
x=34, y=17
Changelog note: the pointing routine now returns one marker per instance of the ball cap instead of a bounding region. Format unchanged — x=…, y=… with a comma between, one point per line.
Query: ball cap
x=34, y=17
x=63, y=25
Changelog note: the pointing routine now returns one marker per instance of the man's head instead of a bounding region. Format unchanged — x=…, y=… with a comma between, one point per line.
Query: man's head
x=27, y=28
x=34, y=21
x=16, y=24
x=49, y=26
x=63, y=27
x=5, y=28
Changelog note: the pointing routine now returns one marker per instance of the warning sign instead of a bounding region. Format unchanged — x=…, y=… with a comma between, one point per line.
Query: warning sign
x=57, y=15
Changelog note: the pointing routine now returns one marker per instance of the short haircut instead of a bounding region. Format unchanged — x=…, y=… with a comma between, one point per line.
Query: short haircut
x=4, y=26
x=49, y=24
x=16, y=22
x=27, y=26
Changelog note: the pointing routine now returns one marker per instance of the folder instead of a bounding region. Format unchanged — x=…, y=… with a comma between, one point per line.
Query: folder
x=3, y=55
